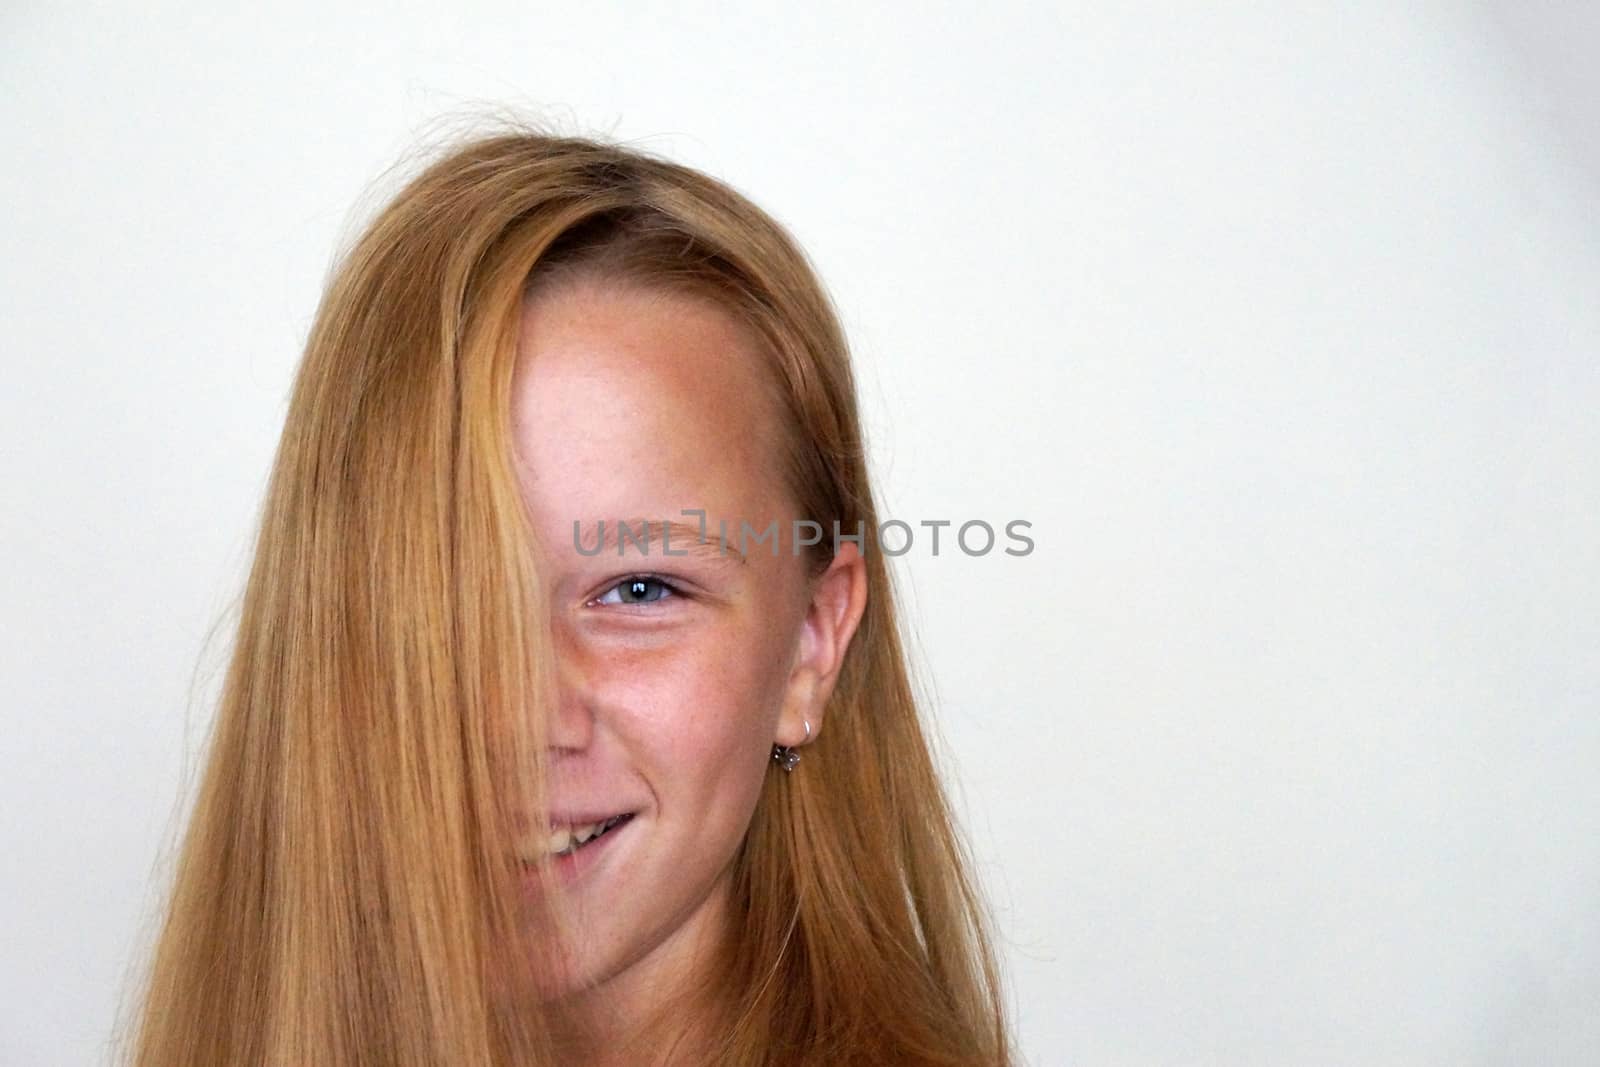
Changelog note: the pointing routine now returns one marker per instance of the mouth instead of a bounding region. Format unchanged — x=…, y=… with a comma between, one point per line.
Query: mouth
x=568, y=840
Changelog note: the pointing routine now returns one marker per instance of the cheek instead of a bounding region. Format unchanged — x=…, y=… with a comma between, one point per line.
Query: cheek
x=704, y=707
x=725, y=706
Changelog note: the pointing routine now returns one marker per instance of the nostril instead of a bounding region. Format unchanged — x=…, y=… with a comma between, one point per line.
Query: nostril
x=571, y=725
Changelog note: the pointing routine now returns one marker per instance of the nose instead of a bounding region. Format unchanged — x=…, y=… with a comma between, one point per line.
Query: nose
x=571, y=725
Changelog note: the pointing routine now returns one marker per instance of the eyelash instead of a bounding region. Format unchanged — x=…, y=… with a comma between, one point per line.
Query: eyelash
x=669, y=590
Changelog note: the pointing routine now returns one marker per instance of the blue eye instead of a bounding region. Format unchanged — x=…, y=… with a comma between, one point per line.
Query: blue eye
x=638, y=589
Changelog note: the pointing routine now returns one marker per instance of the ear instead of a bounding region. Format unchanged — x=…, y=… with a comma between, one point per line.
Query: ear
x=838, y=598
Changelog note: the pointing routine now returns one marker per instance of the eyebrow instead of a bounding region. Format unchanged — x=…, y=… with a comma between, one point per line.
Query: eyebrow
x=662, y=538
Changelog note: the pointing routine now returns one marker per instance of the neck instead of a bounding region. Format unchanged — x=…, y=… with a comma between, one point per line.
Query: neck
x=658, y=1012
x=687, y=1043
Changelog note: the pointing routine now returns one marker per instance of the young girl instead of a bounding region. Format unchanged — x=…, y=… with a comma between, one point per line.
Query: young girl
x=567, y=720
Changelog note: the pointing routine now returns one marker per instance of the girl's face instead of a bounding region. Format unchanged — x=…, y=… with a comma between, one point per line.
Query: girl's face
x=680, y=665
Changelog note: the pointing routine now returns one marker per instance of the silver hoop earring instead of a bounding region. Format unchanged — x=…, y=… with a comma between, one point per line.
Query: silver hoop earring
x=785, y=755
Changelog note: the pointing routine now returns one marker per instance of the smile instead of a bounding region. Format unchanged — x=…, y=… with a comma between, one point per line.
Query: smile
x=566, y=840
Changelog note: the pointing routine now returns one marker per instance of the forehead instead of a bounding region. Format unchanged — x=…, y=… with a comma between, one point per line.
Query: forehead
x=638, y=403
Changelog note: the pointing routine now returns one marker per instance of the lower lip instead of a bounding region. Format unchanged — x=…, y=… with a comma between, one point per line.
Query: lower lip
x=569, y=868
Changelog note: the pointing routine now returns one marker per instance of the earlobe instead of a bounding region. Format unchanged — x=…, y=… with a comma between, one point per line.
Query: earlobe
x=786, y=756
x=800, y=708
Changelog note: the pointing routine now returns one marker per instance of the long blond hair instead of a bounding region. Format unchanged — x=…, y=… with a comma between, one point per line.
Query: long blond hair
x=344, y=893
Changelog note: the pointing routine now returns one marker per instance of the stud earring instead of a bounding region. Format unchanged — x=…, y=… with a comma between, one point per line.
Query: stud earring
x=785, y=755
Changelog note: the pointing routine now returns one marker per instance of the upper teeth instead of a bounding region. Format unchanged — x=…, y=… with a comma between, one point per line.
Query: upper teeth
x=562, y=839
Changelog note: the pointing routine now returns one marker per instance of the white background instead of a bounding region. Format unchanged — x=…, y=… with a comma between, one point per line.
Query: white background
x=1281, y=324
